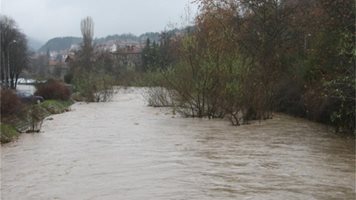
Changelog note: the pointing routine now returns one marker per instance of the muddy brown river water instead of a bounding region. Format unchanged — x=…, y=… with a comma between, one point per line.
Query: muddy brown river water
x=126, y=150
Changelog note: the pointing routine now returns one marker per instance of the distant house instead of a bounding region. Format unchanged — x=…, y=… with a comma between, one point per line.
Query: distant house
x=53, y=63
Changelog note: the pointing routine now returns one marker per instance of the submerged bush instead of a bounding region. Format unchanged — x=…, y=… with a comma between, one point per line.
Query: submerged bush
x=159, y=97
x=35, y=114
x=341, y=93
x=94, y=87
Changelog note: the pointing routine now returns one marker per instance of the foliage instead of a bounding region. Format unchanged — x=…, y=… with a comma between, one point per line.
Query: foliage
x=159, y=97
x=245, y=59
x=150, y=56
x=342, y=92
x=10, y=103
x=53, y=89
x=94, y=87
x=30, y=117
x=68, y=78
x=35, y=115
x=159, y=56
x=292, y=56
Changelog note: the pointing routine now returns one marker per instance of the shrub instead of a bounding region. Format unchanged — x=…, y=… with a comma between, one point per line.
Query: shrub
x=36, y=113
x=340, y=92
x=68, y=78
x=10, y=103
x=53, y=89
x=94, y=87
x=159, y=97
x=289, y=97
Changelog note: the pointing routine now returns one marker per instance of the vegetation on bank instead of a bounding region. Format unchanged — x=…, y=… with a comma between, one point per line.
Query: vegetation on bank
x=246, y=59
x=241, y=59
x=30, y=119
x=53, y=89
x=90, y=80
x=18, y=117
x=90, y=72
x=8, y=133
x=56, y=106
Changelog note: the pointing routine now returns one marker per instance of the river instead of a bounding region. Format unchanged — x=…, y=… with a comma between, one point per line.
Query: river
x=126, y=150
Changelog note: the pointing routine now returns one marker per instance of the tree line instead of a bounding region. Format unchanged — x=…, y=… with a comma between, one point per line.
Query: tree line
x=242, y=59
x=245, y=59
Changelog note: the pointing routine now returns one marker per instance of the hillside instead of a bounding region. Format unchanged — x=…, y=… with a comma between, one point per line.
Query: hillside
x=63, y=43
x=60, y=43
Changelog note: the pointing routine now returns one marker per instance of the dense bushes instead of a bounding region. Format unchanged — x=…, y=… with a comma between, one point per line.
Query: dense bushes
x=246, y=59
x=10, y=103
x=94, y=87
x=53, y=89
x=159, y=97
x=211, y=79
x=341, y=92
x=68, y=78
x=17, y=117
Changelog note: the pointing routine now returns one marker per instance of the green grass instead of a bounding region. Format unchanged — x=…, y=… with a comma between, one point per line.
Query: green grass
x=56, y=106
x=8, y=133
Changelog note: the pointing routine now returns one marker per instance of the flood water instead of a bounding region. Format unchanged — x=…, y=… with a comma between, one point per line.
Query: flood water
x=126, y=150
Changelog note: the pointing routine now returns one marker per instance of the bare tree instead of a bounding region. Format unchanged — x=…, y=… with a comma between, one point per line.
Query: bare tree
x=14, y=52
x=19, y=59
x=87, y=51
x=87, y=28
x=90, y=77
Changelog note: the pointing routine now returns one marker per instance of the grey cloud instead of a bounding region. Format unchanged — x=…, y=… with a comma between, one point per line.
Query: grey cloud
x=44, y=19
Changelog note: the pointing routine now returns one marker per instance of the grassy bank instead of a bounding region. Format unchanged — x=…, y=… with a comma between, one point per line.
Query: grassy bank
x=8, y=133
x=31, y=118
x=56, y=106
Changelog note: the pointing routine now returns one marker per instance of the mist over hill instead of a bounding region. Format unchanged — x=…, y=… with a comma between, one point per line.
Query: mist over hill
x=34, y=44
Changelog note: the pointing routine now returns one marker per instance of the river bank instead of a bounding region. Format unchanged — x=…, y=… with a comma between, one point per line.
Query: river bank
x=126, y=150
x=30, y=119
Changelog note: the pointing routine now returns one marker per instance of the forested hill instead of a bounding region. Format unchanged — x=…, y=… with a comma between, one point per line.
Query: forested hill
x=60, y=43
x=63, y=43
x=153, y=36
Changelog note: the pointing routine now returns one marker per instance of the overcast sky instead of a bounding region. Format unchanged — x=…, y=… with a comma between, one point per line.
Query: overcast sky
x=45, y=19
